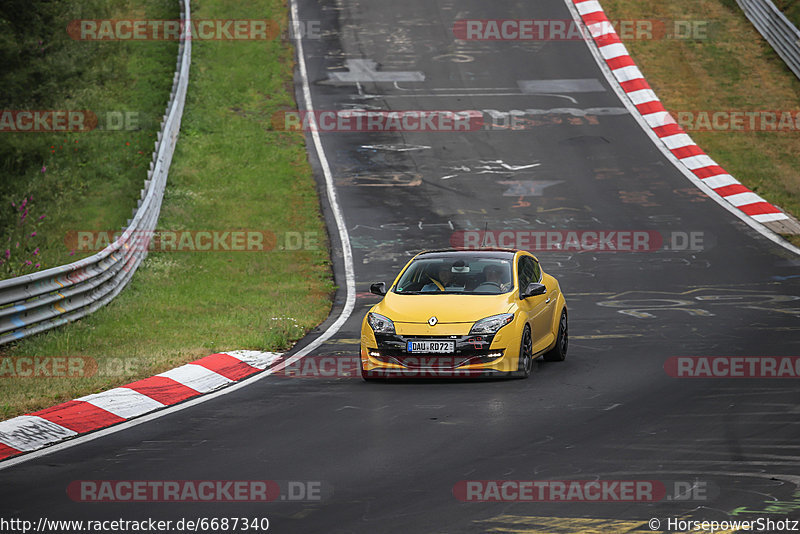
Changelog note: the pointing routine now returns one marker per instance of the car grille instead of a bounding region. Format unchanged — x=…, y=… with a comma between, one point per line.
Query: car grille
x=419, y=361
x=469, y=350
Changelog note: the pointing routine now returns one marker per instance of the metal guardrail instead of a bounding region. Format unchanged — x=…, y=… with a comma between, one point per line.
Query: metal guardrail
x=779, y=32
x=36, y=302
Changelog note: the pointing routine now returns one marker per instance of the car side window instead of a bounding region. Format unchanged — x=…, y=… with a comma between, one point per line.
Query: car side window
x=528, y=272
x=537, y=271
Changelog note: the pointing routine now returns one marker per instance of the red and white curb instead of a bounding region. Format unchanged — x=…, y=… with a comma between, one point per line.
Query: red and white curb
x=40, y=429
x=676, y=140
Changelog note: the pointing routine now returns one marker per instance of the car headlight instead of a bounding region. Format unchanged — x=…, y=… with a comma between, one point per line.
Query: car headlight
x=490, y=325
x=380, y=324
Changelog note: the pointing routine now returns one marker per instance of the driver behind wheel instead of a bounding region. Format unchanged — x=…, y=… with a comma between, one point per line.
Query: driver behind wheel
x=494, y=278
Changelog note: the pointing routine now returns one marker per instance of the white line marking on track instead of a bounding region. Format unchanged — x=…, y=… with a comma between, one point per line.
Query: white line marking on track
x=396, y=148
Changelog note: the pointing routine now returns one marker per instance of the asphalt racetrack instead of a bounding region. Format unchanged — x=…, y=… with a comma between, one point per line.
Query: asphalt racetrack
x=392, y=457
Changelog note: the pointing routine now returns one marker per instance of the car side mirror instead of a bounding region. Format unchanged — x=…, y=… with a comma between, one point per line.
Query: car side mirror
x=533, y=290
x=378, y=288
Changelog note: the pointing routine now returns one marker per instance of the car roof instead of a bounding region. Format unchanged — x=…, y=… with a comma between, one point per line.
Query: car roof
x=505, y=253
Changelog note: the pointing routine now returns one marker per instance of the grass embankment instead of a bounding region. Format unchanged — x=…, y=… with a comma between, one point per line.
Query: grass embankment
x=78, y=180
x=230, y=171
x=734, y=69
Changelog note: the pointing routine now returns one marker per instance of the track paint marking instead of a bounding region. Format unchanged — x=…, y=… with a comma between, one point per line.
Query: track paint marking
x=365, y=70
x=550, y=210
x=396, y=148
x=578, y=85
x=512, y=167
x=381, y=180
x=449, y=224
x=347, y=341
x=607, y=336
x=527, y=188
x=455, y=58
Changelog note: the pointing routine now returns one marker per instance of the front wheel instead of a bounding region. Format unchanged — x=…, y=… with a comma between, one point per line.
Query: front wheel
x=559, y=352
x=525, y=365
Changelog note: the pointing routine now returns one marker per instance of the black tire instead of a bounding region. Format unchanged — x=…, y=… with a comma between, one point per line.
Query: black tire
x=559, y=352
x=525, y=364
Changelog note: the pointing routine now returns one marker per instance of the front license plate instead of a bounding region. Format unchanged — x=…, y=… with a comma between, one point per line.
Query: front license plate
x=432, y=347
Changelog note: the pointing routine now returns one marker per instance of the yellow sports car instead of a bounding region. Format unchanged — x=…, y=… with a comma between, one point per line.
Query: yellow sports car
x=465, y=313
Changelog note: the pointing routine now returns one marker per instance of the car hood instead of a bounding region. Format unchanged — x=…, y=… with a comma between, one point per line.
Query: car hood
x=446, y=308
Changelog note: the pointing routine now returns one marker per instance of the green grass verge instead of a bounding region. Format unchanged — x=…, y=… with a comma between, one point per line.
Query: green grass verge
x=733, y=70
x=230, y=171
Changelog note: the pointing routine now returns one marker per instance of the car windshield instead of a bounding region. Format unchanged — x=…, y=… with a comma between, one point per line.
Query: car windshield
x=461, y=274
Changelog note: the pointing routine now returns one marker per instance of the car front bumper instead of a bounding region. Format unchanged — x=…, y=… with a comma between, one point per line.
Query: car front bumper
x=474, y=356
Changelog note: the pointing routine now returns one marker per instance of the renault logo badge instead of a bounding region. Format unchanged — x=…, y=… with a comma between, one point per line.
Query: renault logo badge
x=433, y=320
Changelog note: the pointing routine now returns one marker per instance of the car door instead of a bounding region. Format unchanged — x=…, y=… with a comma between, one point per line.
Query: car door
x=534, y=308
x=550, y=300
